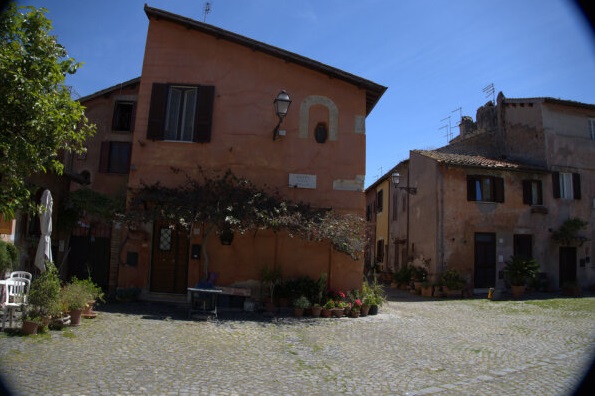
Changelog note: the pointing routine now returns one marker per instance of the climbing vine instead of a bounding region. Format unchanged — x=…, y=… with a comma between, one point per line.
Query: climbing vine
x=228, y=202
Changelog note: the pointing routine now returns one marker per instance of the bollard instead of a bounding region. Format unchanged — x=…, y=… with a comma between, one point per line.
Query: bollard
x=490, y=293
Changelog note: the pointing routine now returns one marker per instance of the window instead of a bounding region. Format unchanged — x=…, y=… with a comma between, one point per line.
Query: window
x=592, y=128
x=566, y=185
x=165, y=239
x=380, y=251
x=532, y=192
x=379, y=201
x=181, y=113
x=115, y=157
x=123, y=116
x=485, y=188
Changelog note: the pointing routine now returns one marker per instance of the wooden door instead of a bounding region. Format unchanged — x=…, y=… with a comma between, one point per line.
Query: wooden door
x=567, y=264
x=169, y=266
x=485, y=260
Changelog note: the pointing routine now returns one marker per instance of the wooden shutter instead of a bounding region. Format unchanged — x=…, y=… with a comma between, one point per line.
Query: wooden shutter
x=527, y=192
x=133, y=117
x=157, y=111
x=204, y=114
x=104, y=157
x=471, y=188
x=556, y=184
x=576, y=185
x=498, y=189
x=380, y=200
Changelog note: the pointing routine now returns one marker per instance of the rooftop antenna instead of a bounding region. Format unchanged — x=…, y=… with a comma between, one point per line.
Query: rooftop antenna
x=207, y=10
x=449, y=129
x=447, y=135
x=489, y=90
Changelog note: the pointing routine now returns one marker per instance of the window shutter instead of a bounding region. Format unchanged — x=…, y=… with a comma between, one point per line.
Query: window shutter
x=556, y=184
x=470, y=188
x=104, y=157
x=204, y=114
x=527, y=192
x=380, y=200
x=539, y=193
x=133, y=117
x=157, y=111
x=576, y=185
x=498, y=189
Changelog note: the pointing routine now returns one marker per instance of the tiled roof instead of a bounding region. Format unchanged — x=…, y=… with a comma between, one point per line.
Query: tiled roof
x=475, y=160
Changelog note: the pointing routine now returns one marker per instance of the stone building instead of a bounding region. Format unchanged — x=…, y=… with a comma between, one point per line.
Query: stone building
x=503, y=187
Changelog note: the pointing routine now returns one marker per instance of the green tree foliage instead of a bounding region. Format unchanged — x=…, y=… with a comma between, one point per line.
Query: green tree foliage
x=39, y=117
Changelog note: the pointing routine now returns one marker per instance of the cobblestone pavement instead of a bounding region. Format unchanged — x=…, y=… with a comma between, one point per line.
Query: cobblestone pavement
x=413, y=346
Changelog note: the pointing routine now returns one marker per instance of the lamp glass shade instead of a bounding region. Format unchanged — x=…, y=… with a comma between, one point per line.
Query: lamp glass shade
x=396, y=178
x=282, y=102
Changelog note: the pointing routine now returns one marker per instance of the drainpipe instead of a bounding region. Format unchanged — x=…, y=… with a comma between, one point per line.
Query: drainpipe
x=408, y=198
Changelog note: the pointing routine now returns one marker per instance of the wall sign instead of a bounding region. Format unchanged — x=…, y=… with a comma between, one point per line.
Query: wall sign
x=302, y=181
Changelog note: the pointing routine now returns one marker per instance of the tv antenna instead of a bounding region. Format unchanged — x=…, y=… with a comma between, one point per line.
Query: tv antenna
x=448, y=128
x=489, y=90
x=207, y=10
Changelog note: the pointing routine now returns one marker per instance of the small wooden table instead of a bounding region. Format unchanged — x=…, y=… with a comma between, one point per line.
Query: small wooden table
x=203, y=301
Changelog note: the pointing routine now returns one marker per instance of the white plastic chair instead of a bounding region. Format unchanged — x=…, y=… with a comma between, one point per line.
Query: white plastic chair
x=21, y=274
x=16, y=291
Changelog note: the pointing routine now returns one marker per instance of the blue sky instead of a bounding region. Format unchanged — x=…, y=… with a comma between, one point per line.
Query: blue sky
x=435, y=56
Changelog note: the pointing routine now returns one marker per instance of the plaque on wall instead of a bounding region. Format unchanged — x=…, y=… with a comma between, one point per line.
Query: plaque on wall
x=302, y=181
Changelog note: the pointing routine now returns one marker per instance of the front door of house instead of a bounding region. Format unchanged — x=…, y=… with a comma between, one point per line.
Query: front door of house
x=485, y=260
x=169, y=266
x=567, y=264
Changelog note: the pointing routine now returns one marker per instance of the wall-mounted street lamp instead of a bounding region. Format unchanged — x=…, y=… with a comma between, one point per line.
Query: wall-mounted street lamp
x=281, y=102
x=396, y=178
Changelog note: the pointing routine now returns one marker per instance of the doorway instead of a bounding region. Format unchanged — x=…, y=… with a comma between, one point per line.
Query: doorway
x=567, y=264
x=169, y=265
x=485, y=260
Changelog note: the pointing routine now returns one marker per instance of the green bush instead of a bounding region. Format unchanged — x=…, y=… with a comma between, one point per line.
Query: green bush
x=8, y=256
x=44, y=295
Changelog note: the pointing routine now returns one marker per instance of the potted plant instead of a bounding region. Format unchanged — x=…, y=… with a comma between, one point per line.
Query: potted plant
x=373, y=294
x=94, y=294
x=271, y=277
x=418, y=275
x=452, y=283
x=32, y=322
x=74, y=299
x=299, y=305
x=402, y=278
x=44, y=294
x=518, y=271
x=427, y=289
x=327, y=308
x=356, y=308
x=316, y=310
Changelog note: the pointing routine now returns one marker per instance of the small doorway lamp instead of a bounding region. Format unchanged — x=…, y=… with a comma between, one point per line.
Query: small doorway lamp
x=281, y=102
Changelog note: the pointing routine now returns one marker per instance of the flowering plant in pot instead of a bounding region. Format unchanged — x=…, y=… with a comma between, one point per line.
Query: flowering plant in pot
x=356, y=308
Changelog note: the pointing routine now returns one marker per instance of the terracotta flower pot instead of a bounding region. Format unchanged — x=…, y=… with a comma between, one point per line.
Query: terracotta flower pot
x=325, y=313
x=75, y=317
x=364, y=310
x=316, y=311
x=29, y=327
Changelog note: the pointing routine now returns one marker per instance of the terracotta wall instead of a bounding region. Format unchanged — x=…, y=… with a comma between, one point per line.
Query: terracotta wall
x=246, y=82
